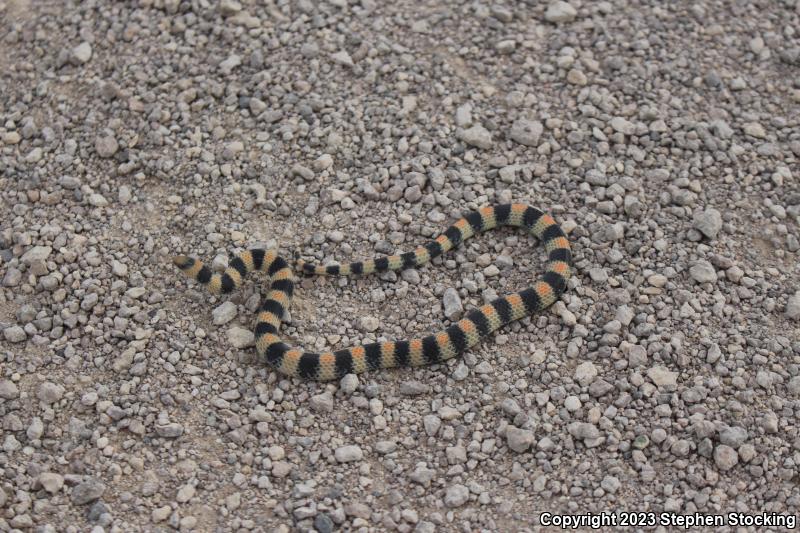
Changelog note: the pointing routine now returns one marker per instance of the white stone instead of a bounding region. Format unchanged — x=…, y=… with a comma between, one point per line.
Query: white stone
x=343, y=58
x=51, y=481
x=663, y=378
x=224, y=313
x=623, y=126
x=703, y=272
x=456, y=496
x=754, y=129
x=82, y=53
x=476, y=136
x=452, y=304
x=526, y=132
x=558, y=12
x=240, y=337
x=14, y=334
x=97, y=200
x=585, y=373
x=348, y=454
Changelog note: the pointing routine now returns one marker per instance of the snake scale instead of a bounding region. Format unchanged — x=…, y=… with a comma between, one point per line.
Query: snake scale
x=471, y=329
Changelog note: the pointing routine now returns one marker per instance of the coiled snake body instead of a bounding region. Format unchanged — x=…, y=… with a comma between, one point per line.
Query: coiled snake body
x=476, y=324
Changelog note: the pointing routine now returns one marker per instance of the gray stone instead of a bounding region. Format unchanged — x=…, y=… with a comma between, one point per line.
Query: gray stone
x=369, y=323
x=385, y=446
x=526, y=132
x=88, y=491
x=169, y=430
x=37, y=254
x=451, y=301
x=464, y=116
x=257, y=106
x=708, y=222
x=461, y=372
x=456, y=496
x=12, y=278
x=14, y=334
x=8, y=389
x=721, y=129
x=793, y=386
x=431, y=423
x=505, y=46
x=725, y=457
x=585, y=373
x=35, y=429
x=97, y=200
x=230, y=63
x=228, y=8
x=89, y=301
x=305, y=173
x=610, y=484
x=733, y=436
x=240, y=337
x=703, y=272
x=600, y=388
x=518, y=439
x=349, y=383
x=224, y=313
x=583, y=430
x=343, y=58
x=476, y=136
x=623, y=126
x=49, y=393
x=413, y=194
x=793, y=306
x=106, y=146
x=118, y=268
x=413, y=388
x=637, y=356
x=422, y=475
x=185, y=493
x=572, y=403
x=161, y=513
x=322, y=403
x=411, y=275
x=323, y=523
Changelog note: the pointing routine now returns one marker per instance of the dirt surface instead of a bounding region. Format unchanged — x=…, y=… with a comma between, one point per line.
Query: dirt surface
x=663, y=136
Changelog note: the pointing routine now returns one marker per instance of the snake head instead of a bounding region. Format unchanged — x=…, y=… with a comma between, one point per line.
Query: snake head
x=182, y=261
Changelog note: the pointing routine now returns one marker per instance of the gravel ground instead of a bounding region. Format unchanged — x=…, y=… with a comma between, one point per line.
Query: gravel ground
x=665, y=137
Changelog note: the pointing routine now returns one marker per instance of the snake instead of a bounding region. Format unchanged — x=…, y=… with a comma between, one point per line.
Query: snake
x=472, y=328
